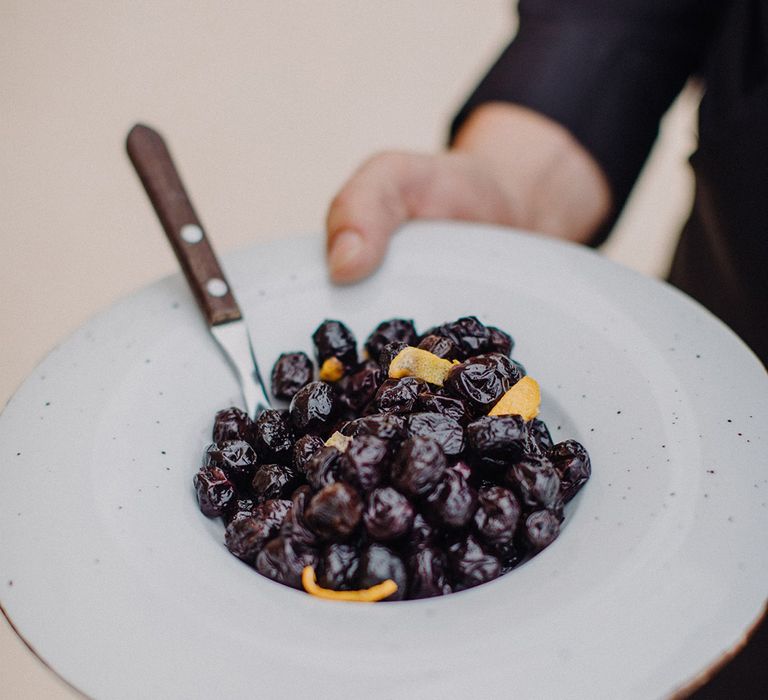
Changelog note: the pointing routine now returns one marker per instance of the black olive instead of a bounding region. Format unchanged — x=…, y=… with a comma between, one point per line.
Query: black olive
x=338, y=566
x=444, y=429
x=275, y=481
x=273, y=436
x=232, y=424
x=291, y=372
x=334, y=339
x=313, y=408
x=418, y=466
x=364, y=462
x=379, y=563
x=394, y=330
x=427, y=573
x=572, y=465
x=399, y=395
x=214, y=490
x=335, y=511
x=470, y=564
x=281, y=561
x=388, y=514
x=246, y=536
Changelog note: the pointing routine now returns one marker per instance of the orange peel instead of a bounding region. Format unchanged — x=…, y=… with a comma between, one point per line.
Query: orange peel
x=339, y=441
x=331, y=370
x=366, y=595
x=415, y=362
x=523, y=399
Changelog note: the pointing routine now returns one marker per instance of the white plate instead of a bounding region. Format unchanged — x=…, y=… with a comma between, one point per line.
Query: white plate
x=113, y=576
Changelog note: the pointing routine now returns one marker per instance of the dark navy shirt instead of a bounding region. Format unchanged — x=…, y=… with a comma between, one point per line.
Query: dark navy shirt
x=608, y=69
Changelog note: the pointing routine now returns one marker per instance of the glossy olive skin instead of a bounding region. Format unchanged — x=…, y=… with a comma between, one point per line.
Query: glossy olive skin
x=334, y=339
x=245, y=537
x=470, y=564
x=236, y=459
x=502, y=437
x=421, y=486
x=440, y=346
x=379, y=563
x=428, y=573
x=273, y=436
x=313, y=408
x=335, y=511
x=399, y=395
x=481, y=381
x=388, y=514
x=275, y=481
x=572, y=464
x=291, y=371
x=303, y=449
x=339, y=566
x=497, y=516
x=283, y=562
x=365, y=462
x=418, y=466
x=446, y=431
x=214, y=490
x=391, y=331
x=232, y=424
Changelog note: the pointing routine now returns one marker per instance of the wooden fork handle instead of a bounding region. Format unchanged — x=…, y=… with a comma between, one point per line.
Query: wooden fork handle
x=153, y=163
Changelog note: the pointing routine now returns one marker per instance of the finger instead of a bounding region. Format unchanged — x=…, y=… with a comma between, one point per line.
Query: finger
x=364, y=214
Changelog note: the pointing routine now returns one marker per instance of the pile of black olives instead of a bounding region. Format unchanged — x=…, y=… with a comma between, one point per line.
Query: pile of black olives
x=421, y=486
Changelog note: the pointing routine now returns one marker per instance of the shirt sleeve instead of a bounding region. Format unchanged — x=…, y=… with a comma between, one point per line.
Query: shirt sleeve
x=606, y=70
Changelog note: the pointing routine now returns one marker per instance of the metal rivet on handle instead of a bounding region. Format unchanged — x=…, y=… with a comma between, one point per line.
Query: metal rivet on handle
x=216, y=287
x=191, y=233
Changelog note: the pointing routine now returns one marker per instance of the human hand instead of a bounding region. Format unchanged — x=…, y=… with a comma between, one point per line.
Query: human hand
x=508, y=166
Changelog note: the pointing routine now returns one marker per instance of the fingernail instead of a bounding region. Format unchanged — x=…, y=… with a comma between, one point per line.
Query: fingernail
x=345, y=252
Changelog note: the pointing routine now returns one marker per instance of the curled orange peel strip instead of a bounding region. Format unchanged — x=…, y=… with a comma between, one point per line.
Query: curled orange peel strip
x=366, y=595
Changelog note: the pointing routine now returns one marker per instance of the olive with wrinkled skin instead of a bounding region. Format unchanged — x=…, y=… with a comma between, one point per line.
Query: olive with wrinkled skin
x=246, y=536
x=338, y=566
x=572, y=464
x=291, y=371
x=303, y=449
x=441, y=346
x=470, y=564
x=275, y=481
x=441, y=428
x=539, y=435
x=235, y=458
x=399, y=395
x=335, y=511
x=356, y=390
x=540, y=529
x=497, y=515
x=427, y=569
x=334, y=339
x=379, y=563
x=322, y=468
x=273, y=436
x=387, y=515
x=214, y=490
x=388, y=353
x=232, y=424
x=427, y=402
x=282, y=562
x=481, y=381
x=418, y=466
x=535, y=481
x=386, y=426
x=500, y=342
x=503, y=437
x=295, y=526
x=452, y=502
x=364, y=463
x=470, y=335
x=314, y=408
x=395, y=330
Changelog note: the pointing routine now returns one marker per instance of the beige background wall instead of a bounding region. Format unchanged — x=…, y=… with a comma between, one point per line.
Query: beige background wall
x=268, y=106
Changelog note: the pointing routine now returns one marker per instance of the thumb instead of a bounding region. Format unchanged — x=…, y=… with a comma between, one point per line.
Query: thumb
x=364, y=214
x=392, y=187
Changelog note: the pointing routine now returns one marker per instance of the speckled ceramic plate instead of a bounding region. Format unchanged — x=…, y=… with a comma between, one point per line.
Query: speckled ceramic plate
x=116, y=580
